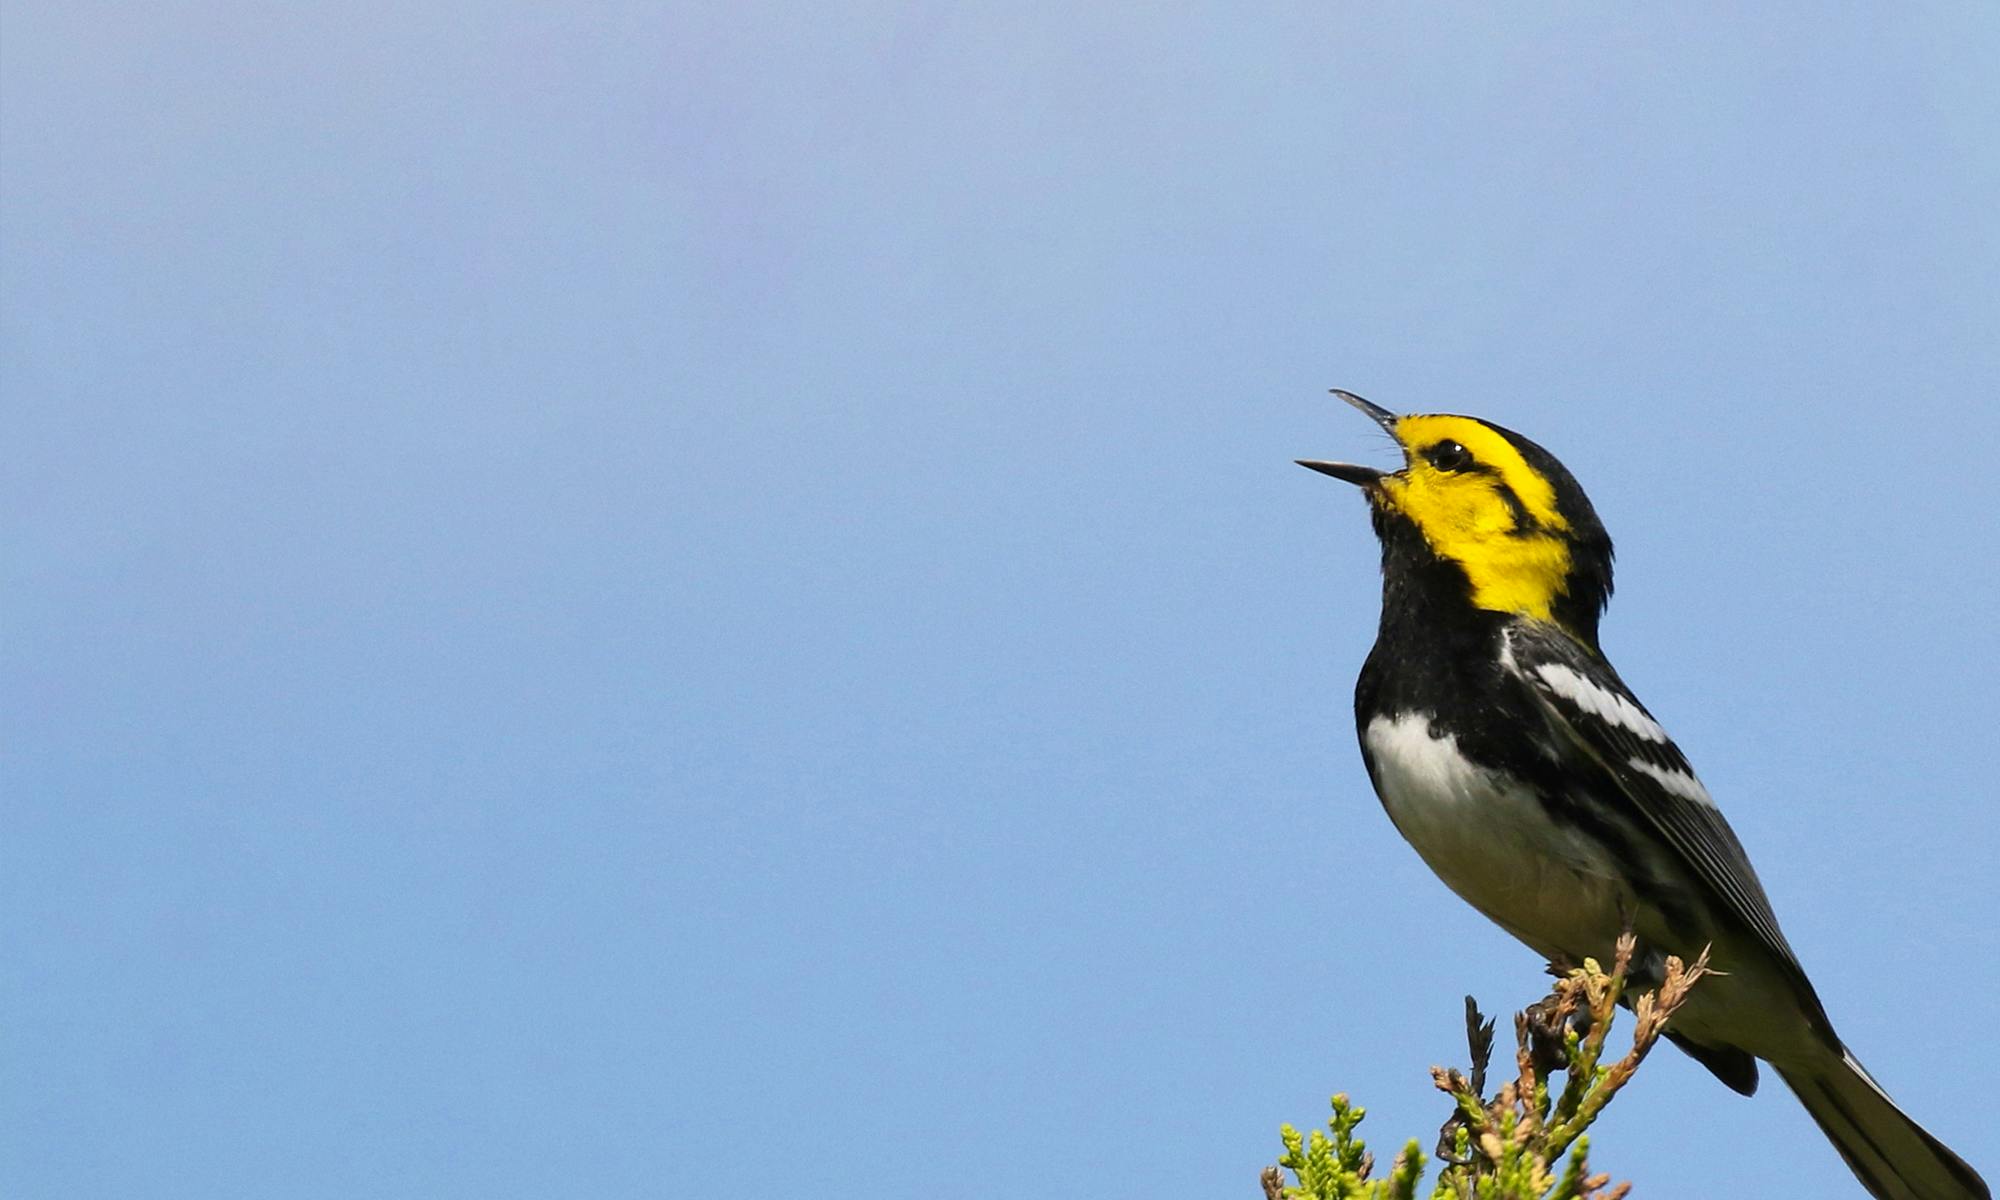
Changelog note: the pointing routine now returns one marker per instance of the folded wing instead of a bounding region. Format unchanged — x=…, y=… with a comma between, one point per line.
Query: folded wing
x=1592, y=710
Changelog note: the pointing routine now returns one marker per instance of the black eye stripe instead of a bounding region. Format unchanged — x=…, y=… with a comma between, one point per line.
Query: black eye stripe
x=1523, y=521
x=1453, y=458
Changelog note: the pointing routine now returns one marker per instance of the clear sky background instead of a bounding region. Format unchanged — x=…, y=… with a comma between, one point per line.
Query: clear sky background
x=606, y=600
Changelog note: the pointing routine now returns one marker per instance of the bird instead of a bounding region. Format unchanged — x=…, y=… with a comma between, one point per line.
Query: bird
x=1508, y=752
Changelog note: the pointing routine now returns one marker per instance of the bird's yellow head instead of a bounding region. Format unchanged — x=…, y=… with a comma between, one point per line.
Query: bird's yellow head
x=1496, y=507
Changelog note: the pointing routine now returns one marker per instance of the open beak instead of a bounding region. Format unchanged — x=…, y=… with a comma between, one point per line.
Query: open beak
x=1354, y=472
x=1351, y=472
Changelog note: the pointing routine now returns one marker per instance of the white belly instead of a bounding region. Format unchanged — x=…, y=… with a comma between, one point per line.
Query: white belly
x=1556, y=890
x=1492, y=843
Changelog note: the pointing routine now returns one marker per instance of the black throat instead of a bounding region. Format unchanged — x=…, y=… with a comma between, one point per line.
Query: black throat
x=1433, y=647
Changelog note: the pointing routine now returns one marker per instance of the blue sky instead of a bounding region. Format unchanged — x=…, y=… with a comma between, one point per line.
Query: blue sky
x=617, y=600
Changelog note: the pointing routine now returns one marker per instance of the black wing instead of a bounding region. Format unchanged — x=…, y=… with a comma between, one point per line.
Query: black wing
x=1592, y=710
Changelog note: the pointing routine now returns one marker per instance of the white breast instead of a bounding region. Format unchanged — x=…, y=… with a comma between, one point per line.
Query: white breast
x=1492, y=842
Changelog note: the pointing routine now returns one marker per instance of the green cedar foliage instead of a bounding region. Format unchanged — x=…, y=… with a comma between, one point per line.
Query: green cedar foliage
x=1513, y=1145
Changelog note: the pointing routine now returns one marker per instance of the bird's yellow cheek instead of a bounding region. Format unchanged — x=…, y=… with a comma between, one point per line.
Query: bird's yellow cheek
x=1470, y=523
x=1450, y=512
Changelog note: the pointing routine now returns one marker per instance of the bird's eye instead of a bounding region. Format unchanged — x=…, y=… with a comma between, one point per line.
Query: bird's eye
x=1449, y=456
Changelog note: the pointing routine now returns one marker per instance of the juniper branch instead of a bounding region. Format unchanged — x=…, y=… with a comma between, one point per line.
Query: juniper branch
x=1512, y=1145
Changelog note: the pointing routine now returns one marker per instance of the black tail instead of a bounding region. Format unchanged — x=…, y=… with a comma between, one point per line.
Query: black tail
x=1894, y=1157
